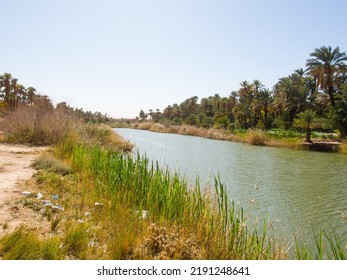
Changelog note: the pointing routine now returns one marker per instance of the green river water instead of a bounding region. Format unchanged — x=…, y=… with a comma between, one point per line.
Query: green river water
x=297, y=192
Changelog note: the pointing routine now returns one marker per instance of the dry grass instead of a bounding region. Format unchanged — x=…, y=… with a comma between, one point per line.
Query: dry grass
x=102, y=135
x=252, y=137
x=256, y=137
x=343, y=148
x=165, y=243
x=37, y=125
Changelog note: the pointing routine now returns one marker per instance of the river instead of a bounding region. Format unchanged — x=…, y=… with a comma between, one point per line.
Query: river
x=297, y=192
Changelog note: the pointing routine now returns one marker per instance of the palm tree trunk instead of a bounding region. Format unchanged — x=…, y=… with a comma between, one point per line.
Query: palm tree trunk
x=308, y=135
x=331, y=96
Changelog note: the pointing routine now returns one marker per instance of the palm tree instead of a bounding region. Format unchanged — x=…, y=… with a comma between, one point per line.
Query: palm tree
x=306, y=120
x=326, y=66
x=216, y=102
x=150, y=114
x=30, y=92
x=6, y=84
x=264, y=100
x=204, y=104
x=341, y=109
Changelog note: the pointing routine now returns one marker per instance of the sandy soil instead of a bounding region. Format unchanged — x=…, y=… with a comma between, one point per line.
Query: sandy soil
x=15, y=169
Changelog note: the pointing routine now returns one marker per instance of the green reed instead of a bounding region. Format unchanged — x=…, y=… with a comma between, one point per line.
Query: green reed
x=131, y=185
x=140, y=185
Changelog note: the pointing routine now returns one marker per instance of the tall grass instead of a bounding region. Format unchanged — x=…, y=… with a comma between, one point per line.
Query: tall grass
x=138, y=185
x=120, y=206
x=24, y=244
x=256, y=137
x=37, y=124
x=327, y=246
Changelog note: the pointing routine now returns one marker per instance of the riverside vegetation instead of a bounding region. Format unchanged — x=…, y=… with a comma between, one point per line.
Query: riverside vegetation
x=274, y=138
x=113, y=205
x=314, y=98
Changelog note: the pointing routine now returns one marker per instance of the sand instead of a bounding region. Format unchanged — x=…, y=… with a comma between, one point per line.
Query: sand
x=15, y=169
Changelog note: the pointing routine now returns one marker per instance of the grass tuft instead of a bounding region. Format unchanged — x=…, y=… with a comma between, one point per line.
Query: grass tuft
x=256, y=137
x=23, y=244
x=51, y=164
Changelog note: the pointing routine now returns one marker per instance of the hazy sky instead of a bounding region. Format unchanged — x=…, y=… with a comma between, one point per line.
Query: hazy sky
x=120, y=56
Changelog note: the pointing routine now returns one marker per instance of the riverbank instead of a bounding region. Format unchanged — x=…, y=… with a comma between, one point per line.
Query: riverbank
x=111, y=206
x=101, y=203
x=280, y=139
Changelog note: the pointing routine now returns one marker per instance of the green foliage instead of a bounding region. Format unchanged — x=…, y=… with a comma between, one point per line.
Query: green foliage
x=327, y=247
x=320, y=87
x=75, y=242
x=13, y=94
x=51, y=164
x=222, y=122
x=305, y=119
x=23, y=244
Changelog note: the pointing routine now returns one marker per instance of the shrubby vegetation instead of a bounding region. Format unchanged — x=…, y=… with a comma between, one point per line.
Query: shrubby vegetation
x=30, y=118
x=321, y=89
x=116, y=206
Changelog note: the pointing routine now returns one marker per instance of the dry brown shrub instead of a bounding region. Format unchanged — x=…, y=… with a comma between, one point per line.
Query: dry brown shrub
x=256, y=137
x=157, y=127
x=37, y=125
x=168, y=244
x=144, y=125
x=173, y=129
x=104, y=135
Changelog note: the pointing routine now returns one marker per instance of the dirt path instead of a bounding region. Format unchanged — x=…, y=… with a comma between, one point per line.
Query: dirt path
x=15, y=168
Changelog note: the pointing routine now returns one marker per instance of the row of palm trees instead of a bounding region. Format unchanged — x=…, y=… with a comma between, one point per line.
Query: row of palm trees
x=321, y=88
x=86, y=116
x=14, y=94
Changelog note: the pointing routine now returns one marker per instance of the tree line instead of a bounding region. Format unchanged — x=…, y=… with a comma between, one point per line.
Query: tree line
x=14, y=95
x=317, y=94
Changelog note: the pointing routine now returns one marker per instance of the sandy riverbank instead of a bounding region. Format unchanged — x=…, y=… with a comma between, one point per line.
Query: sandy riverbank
x=15, y=169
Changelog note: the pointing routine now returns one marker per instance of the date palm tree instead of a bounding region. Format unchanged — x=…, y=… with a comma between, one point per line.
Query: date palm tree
x=341, y=109
x=306, y=120
x=326, y=66
x=30, y=92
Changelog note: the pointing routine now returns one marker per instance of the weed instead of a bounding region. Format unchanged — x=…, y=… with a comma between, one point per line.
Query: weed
x=21, y=245
x=51, y=249
x=164, y=243
x=55, y=223
x=51, y=164
x=75, y=241
x=256, y=137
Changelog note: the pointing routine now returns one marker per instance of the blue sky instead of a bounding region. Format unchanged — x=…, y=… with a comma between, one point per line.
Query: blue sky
x=120, y=56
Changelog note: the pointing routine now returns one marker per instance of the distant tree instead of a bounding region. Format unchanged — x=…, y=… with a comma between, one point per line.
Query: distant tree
x=142, y=115
x=13, y=93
